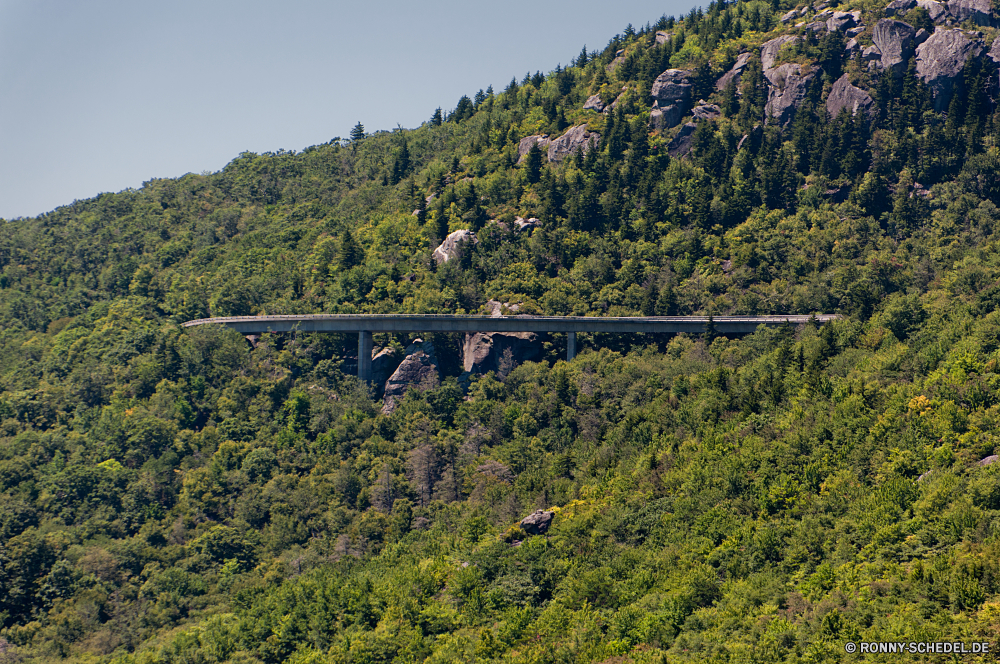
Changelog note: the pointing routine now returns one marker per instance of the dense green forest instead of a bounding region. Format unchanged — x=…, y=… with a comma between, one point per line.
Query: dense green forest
x=180, y=495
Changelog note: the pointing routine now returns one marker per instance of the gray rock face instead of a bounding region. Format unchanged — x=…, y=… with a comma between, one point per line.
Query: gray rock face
x=527, y=224
x=672, y=94
x=680, y=144
x=537, y=522
x=899, y=7
x=789, y=16
x=854, y=32
x=871, y=54
x=816, y=26
x=384, y=364
x=706, y=112
x=484, y=351
x=977, y=11
x=524, y=145
x=844, y=95
x=938, y=11
x=451, y=246
x=575, y=138
x=988, y=461
x=895, y=41
x=593, y=103
x=789, y=85
x=736, y=72
x=940, y=60
x=921, y=36
x=994, y=52
x=663, y=37
x=852, y=48
x=769, y=50
x=843, y=21
x=418, y=371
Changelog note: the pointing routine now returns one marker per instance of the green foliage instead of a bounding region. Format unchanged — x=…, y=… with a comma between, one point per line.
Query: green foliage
x=175, y=494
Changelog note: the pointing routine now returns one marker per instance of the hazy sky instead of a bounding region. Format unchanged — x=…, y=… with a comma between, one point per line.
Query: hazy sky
x=101, y=95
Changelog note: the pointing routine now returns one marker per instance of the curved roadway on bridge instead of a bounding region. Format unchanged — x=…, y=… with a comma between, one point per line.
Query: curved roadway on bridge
x=457, y=323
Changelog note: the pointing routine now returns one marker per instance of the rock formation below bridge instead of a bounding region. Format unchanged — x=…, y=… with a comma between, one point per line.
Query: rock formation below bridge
x=418, y=370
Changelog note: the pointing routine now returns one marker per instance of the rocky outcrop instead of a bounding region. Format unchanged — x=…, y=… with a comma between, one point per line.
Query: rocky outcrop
x=485, y=351
x=537, y=522
x=871, y=55
x=663, y=37
x=593, y=103
x=384, y=364
x=938, y=11
x=894, y=40
x=524, y=146
x=680, y=144
x=988, y=461
x=899, y=7
x=789, y=86
x=451, y=246
x=977, y=11
x=706, y=112
x=527, y=224
x=575, y=138
x=844, y=95
x=736, y=72
x=940, y=60
x=769, y=50
x=843, y=21
x=419, y=371
x=672, y=94
x=790, y=15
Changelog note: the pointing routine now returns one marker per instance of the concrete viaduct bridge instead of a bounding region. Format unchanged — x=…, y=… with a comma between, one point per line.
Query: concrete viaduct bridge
x=366, y=324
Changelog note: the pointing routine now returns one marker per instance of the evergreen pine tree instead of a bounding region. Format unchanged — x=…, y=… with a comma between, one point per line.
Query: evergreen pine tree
x=436, y=119
x=358, y=132
x=351, y=253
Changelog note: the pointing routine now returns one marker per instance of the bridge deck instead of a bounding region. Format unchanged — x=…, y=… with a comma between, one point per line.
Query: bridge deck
x=366, y=324
x=457, y=323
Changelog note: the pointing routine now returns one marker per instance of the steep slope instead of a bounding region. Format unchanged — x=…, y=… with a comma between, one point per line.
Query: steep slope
x=173, y=495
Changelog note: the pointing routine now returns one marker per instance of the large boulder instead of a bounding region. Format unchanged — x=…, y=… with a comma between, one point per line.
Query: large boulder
x=843, y=21
x=485, y=351
x=524, y=146
x=844, y=95
x=938, y=11
x=736, y=72
x=672, y=94
x=417, y=371
x=899, y=7
x=681, y=143
x=895, y=40
x=593, y=103
x=452, y=244
x=384, y=364
x=978, y=11
x=665, y=118
x=706, y=112
x=575, y=138
x=940, y=60
x=663, y=37
x=789, y=85
x=537, y=522
x=769, y=50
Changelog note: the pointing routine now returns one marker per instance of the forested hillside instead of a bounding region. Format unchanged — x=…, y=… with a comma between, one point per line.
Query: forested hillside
x=184, y=495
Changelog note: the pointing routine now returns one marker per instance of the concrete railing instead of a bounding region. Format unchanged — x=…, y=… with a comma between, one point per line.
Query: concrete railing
x=366, y=324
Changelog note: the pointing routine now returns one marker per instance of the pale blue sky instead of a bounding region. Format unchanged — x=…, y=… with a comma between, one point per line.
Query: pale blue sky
x=101, y=95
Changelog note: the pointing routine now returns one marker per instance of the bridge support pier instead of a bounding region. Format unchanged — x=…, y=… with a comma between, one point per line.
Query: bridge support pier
x=570, y=346
x=365, y=356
